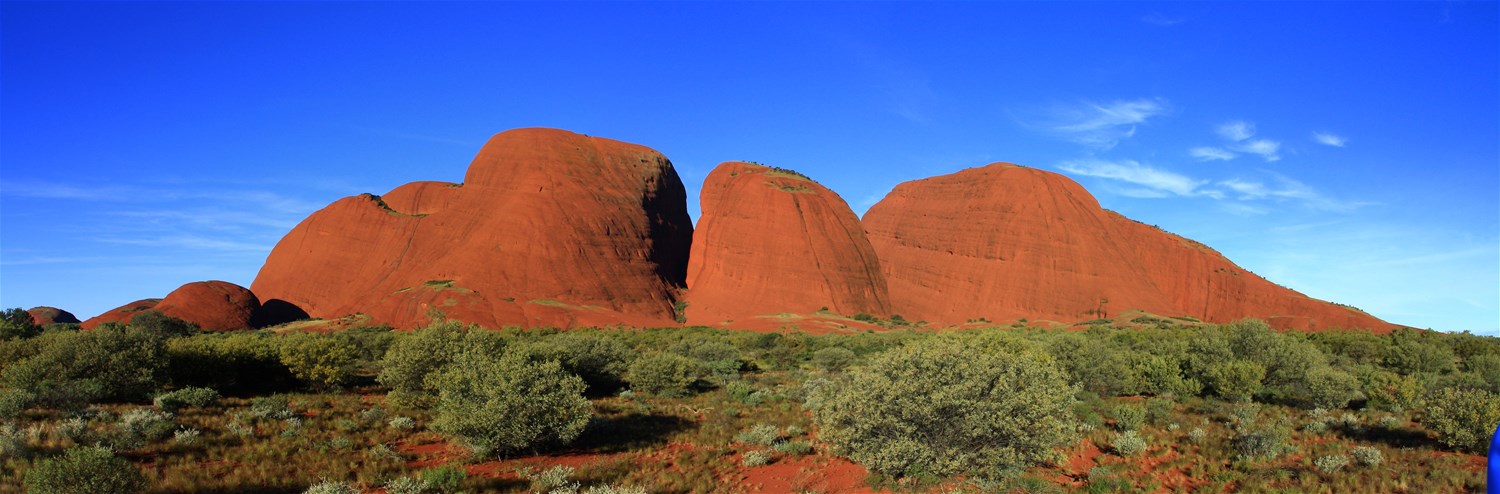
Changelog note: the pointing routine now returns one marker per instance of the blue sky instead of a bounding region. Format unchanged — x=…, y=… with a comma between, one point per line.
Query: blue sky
x=1350, y=151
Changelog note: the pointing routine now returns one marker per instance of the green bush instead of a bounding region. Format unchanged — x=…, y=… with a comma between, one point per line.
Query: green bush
x=1129, y=443
x=1261, y=440
x=85, y=470
x=664, y=374
x=1163, y=376
x=444, y=479
x=1414, y=352
x=322, y=361
x=833, y=358
x=936, y=407
x=73, y=368
x=176, y=400
x=1330, y=388
x=1463, y=418
x=413, y=359
x=1128, y=416
x=156, y=322
x=1367, y=456
x=501, y=406
x=17, y=323
x=1235, y=380
x=597, y=357
x=236, y=361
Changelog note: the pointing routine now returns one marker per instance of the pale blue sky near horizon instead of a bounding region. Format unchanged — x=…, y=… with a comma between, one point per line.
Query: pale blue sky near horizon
x=1348, y=150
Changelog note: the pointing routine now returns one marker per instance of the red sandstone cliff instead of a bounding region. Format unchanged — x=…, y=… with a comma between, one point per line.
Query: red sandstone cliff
x=548, y=228
x=771, y=241
x=1006, y=242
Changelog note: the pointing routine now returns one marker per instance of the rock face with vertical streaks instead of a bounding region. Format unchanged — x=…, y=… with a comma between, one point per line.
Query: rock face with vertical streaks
x=549, y=228
x=771, y=241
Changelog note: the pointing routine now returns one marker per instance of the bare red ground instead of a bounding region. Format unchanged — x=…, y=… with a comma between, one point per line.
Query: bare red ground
x=813, y=473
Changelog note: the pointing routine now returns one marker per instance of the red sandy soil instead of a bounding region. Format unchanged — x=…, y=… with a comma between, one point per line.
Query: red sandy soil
x=813, y=473
x=1004, y=241
x=770, y=242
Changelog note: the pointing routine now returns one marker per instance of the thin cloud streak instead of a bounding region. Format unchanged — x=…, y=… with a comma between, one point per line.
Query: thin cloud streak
x=1329, y=139
x=1266, y=148
x=1101, y=126
x=1238, y=130
x=1211, y=154
x=1133, y=172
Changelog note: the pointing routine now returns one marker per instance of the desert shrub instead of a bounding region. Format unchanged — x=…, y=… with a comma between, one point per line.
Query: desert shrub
x=1097, y=364
x=326, y=486
x=84, y=470
x=1412, y=352
x=402, y=423
x=597, y=357
x=1463, y=418
x=1330, y=388
x=1331, y=463
x=446, y=478
x=405, y=485
x=833, y=358
x=664, y=374
x=1163, y=376
x=1235, y=380
x=1487, y=367
x=140, y=426
x=186, y=437
x=12, y=442
x=1128, y=416
x=321, y=361
x=755, y=458
x=936, y=407
x=1159, y=410
x=1197, y=435
x=156, y=322
x=1389, y=391
x=237, y=361
x=500, y=406
x=274, y=407
x=1367, y=456
x=720, y=360
x=1129, y=443
x=762, y=434
x=73, y=368
x=173, y=401
x=413, y=360
x=793, y=448
x=13, y=402
x=16, y=323
x=555, y=479
x=1261, y=441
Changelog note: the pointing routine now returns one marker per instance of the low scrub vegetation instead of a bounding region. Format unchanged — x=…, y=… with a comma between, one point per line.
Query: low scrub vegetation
x=1165, y=404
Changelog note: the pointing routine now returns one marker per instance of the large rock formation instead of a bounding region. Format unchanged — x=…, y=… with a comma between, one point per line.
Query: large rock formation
x=548, y=228
x=212, y=305
x=1006, y=242
x=121, y=314
x=51, y=315
x=772, y=241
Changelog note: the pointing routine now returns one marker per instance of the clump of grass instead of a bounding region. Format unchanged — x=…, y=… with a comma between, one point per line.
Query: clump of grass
x=557, y=478
x=186, y=437
x=793, y=448
x=326, y=486
x=402, y=423
x=1129, y=443
x=1331, y=463
x=756, y=458
x=405, y=485
x=761, y=434
x=1197, y=435
x=1367, y=456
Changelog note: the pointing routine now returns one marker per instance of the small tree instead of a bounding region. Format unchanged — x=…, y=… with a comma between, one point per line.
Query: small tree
x=1235, y=380
x=664, y=374
x=17, y=323
x=85, y=470
x=1463, y=418
x=501, y=406
x=322, y=361
x=940, y=408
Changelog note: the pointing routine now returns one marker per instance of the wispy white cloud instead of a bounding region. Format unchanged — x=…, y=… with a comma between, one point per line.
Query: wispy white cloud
x=1238, y=130
x=1211, y=154
x=1101, y=125
x=1160, y=19
x=1329, y=139
x=1285, y=188
x=1266, y=148
x=1151, y=182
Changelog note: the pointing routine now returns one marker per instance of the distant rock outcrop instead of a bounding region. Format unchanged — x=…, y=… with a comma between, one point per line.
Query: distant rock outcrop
x=212, y=305
x=1007, y=242
x=121, y=314
x=772, y=241
x=51, y=315
x=549, y=228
